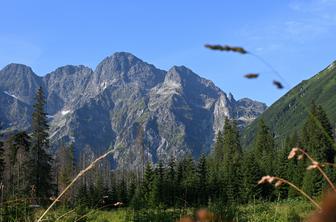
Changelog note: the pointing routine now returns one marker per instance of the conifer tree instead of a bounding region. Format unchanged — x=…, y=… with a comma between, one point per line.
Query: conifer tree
x=264, y=148
x=160, y=183
x=147, y=182
x=295, y=168
x=40, y=160
x=232, y=161
x=282, y=166
x=202, y=180
x=171, y=185
x=251, y=174
x=216, y=182
x=155, y=193
x=189, y=179
x=218, y=148
x=317, y=138
x=264, y=154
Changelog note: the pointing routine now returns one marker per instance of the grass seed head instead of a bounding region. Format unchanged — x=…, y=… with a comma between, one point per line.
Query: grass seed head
x=266, y=179
x=226, y=48
x=293, y=153
x=279, y=183
x=251, y=75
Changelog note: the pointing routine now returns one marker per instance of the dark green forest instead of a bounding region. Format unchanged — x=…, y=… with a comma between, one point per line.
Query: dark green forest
x=32, y=175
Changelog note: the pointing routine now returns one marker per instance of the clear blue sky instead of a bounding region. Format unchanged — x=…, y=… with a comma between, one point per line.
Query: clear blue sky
x=297, y=37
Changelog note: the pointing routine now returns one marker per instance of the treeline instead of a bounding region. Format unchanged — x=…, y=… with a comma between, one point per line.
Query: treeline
x=228, y=175
x=26, y=162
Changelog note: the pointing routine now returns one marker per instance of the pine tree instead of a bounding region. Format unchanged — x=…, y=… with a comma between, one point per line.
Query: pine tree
x=202, y=180
x=147, y=182
x=216, y=180
x=295, y=167
x=218, y=148
x=264, y=148
x=171, y=184
x=189, y=179
x=232, y=161
x=251, y=174
x=264, y=154
x=40, y=160
x=154, y=195
x=317, y=138
x=160, y=185
x=282, y=166
x=215, y=186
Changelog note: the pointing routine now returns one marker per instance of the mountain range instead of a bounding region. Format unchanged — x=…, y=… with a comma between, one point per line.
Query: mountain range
x=139, y=110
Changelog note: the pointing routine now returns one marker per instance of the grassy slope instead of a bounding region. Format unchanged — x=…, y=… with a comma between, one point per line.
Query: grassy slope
x=289, y=113
x=281, y=211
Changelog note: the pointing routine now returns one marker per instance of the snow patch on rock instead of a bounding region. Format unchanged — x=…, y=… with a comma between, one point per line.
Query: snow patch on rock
x=65, y=112
x=11, y=95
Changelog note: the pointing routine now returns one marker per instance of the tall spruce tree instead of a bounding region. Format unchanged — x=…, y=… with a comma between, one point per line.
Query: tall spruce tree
x=232, y=161
x=264, y=148
x=189, y=181
x=317, y=138
x=40, y=178
x=251, y=174
x=264, y=153
x=202, y=181
x=159, y=172
x=218, y=149
x=216, y=187
x=295, y=168
x=171, y=185
x=147, y=182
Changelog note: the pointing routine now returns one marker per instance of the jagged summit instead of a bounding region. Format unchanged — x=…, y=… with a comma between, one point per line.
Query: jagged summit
x=179, y=111
x=17, y=68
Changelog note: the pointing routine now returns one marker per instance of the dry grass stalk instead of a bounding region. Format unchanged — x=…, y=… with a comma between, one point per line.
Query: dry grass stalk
x=280, y=181
x=314, y=164
x=73, y=181
x=226, y=48
x=63, y=215
x=241, y=50
x=251, y=75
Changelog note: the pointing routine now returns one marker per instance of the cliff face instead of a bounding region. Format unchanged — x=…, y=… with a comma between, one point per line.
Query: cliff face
x=144, y=112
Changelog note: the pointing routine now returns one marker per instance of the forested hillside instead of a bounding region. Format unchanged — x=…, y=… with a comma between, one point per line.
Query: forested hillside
x=288, y=114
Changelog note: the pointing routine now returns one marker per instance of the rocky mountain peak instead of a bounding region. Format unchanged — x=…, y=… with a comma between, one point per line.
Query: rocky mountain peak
x=118, y=62
x=181, y=73
x=179, y=111
x=230, y=97
x=16, y=68
x=70, y=69
x=20, y=82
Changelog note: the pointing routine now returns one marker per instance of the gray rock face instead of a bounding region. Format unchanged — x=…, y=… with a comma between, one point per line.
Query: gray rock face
x=143, y=112
x=65, y=85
